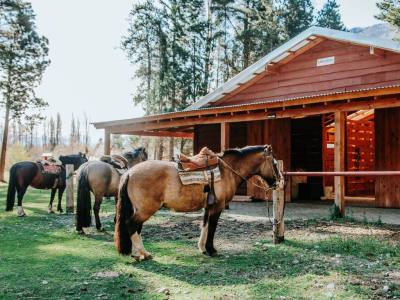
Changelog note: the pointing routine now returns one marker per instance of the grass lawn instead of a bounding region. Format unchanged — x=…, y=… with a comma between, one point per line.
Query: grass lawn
x=42, y=257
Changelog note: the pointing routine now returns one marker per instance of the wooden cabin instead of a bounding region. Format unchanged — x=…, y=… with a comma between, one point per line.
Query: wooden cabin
x=325, y=100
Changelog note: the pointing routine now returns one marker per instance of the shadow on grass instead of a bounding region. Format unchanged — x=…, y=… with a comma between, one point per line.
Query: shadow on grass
x=363, y=247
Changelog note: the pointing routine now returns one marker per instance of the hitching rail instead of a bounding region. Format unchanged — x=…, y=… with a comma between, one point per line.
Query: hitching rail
x=344, y=173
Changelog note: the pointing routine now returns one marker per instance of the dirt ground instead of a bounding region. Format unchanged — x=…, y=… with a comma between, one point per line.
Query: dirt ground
x=258, y=211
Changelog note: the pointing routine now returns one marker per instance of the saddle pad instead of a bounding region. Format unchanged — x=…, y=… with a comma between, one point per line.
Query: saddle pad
x=199, y=177
x=52, y=169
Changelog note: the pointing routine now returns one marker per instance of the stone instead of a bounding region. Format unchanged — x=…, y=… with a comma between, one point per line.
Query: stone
x=330, y=286
x=386, y=288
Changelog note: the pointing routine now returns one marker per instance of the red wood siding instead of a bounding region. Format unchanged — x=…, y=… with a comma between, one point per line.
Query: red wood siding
x=354, y=68
x=277, y=133
x=387, y=156
x=207, y=135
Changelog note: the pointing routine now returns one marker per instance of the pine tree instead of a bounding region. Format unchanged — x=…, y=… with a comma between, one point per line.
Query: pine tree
x=44, y=134
x=52, y=134
x=298, y=15
x=72, y=136
x=58, y=138
x=329, y=16
x=23, y=60
x=390, y=13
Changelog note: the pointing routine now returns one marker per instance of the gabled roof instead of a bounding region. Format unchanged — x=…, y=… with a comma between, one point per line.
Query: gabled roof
x=283, y=51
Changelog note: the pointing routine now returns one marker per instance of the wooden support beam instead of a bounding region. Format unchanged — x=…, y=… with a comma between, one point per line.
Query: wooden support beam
x=278, y=196
x=339, y=163
x=179, y=116
x=161, y=133
x=69, y=169
x=225, y=131
x=261, y=115
x=107, y=141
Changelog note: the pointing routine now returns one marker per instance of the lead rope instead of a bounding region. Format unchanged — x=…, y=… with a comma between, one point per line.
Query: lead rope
x=254, y=184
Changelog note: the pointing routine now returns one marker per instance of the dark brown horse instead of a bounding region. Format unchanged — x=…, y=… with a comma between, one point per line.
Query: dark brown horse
x=148, y=186
x=102, y=179
x=29, y=173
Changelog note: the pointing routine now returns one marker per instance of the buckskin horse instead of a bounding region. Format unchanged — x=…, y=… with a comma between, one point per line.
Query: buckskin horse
x=147, y=187
x=29, y=173
x=102, y=179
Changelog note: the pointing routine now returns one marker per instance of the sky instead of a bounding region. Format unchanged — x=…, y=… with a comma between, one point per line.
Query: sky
x=90, y=74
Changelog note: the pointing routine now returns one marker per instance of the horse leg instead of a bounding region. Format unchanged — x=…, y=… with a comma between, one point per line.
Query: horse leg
x=135, y=228
x=212, y=226
x=203, y=235
x=60, y=194
x=96, y=210
x=20, y=195
x=53, y=194
x=116, y=203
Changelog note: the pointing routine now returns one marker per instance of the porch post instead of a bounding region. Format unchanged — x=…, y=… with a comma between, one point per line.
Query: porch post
x=225, y=127
x=340, y=137
x=107, y=141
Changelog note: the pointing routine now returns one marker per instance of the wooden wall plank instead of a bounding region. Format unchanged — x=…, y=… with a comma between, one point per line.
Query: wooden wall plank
x=387, y=156
x=255, y=137
x=207, y=135
x=278, y=134
x=354, y=68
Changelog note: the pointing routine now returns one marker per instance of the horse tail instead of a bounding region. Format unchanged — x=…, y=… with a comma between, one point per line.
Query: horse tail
x=83, y=205
x=12, y=188
x=124, y=213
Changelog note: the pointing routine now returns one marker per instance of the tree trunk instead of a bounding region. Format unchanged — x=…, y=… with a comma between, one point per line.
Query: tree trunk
x=161, y=149
x=208, y=49
x=171, y=148
x=4, y=144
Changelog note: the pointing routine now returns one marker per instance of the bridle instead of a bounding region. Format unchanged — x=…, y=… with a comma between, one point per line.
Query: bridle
x=277, y=177
x=275, y=172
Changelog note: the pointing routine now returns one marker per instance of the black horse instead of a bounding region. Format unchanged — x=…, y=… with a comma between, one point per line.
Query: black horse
x=28, y=173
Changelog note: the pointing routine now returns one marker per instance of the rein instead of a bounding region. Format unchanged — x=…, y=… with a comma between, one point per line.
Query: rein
x=254, y=184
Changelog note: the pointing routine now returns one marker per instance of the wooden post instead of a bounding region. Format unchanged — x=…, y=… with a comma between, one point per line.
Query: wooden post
x=278, y=211
x=107, y=141
x=225, y=142
x=224, y=136
x=70, y=188
x=340, y=137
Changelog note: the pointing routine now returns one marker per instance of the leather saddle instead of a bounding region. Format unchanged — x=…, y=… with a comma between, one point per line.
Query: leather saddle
x=50, y=165
x=117, y=161
x=204, y=159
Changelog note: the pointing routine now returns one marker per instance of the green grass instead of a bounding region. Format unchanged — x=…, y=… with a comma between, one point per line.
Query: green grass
x=42, y=257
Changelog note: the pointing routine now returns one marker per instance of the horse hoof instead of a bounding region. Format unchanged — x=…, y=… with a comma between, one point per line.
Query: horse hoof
x=101, y=229
x=138, y=258
x=51, y=212
x=211, y=253
x=60, y=211
x=148, y=256
x=81, y=232
x=21, y=215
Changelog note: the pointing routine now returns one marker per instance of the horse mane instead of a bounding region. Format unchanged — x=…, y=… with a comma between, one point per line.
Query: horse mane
x=243, y=151
x=137, y=151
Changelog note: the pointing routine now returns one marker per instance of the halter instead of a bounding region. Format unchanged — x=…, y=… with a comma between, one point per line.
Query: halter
x=277, y=177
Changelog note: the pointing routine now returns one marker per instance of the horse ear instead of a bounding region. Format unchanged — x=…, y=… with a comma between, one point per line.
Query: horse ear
x=268, y=149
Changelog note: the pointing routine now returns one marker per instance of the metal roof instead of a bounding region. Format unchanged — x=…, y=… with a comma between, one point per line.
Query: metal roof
x=244, y=106
x=283, y=51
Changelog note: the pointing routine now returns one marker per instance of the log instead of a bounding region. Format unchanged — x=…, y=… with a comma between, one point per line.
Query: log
x=70, y=188
x=278, y=212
